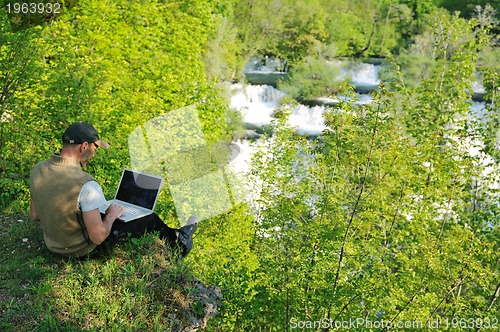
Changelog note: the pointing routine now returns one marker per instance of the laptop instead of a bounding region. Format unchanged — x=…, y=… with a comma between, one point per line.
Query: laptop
x=137, y=193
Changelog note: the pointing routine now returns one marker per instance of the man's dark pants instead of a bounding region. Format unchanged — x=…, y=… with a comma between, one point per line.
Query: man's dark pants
x=137, y=228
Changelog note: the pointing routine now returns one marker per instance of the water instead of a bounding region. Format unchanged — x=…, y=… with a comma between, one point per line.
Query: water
x=364, y=76
x=257, y=103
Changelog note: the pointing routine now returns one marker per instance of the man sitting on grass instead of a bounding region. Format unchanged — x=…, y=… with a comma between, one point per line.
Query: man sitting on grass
x=66, y=200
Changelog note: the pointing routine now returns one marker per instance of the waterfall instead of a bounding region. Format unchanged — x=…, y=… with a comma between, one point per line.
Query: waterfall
x=308, y=120
x=364, y=76
x=256, y=103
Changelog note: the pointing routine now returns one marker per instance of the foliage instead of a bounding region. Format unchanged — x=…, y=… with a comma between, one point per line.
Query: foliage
x=223, y=52
x=466, y=8
x=19, y=75
x=386, y=217
x=115, y=65
x=23, y=15
x=311, y=79
x=224, y=257
x=294, y=30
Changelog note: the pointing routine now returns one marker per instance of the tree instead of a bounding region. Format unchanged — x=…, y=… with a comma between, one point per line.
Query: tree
x=389, y=217
x=466, y=8
x=20, y=71
x=113, y=64
x=312, y=78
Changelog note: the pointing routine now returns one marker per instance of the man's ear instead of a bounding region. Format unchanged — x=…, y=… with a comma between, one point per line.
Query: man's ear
x=84, y=146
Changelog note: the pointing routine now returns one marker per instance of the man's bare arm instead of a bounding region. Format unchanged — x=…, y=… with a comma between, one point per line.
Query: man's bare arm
x=33, y=212
x=99, y=228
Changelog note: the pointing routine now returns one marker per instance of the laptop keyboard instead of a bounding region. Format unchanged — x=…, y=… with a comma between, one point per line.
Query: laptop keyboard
x=130, y=209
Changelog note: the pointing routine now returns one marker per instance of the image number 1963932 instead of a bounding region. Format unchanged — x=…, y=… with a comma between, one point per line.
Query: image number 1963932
x=33, y=8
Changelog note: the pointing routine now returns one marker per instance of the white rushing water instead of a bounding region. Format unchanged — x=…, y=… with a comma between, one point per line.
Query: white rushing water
x=363, y=75
x=257, y=103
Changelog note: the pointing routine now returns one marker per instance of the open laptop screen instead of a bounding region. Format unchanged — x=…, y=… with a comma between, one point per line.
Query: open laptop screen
x=139, y=189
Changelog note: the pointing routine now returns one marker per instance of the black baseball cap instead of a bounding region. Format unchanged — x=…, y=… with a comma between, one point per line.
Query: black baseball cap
x=80, y=132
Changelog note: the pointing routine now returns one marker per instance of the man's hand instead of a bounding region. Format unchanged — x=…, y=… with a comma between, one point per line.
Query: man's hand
x=97, y=228
x=114, y=211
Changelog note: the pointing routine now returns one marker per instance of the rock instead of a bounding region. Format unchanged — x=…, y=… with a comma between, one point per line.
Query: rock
x=205, y=304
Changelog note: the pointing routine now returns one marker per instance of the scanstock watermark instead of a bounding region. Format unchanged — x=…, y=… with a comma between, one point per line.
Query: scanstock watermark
x=354, y=323
x=488, y=323
x=198, y=173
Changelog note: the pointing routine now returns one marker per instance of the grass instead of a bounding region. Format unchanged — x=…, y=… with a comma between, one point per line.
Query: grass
x=137, y=287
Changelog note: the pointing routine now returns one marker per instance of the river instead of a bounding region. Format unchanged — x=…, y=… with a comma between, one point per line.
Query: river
x=257, y=102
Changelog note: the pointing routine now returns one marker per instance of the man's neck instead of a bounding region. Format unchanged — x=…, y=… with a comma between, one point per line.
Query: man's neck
x=71, y=153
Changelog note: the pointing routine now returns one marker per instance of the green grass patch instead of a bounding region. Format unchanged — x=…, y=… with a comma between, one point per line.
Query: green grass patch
x=139, y=286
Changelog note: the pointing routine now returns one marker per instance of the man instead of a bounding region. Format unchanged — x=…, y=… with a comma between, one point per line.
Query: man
x=66, y=201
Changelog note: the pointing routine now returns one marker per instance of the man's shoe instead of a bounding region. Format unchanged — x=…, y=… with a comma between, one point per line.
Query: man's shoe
x=185, y=236
x=192, y=220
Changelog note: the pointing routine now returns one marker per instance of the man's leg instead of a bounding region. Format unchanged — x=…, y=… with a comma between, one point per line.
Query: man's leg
x=176, y=238
x=138, y=227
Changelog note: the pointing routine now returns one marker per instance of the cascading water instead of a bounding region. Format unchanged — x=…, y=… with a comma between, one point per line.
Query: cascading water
x=364, y=76
x=257, y=103
x=308, y=120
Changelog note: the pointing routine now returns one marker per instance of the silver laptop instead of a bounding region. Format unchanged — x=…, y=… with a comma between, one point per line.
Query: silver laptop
x=137, y=193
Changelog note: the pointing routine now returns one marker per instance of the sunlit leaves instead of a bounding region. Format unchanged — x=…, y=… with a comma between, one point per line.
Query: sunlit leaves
x=115, y=64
